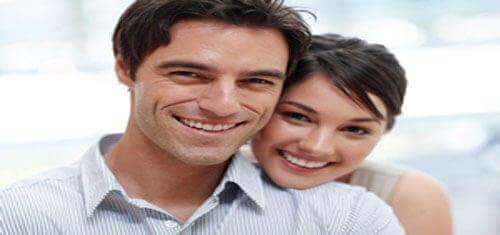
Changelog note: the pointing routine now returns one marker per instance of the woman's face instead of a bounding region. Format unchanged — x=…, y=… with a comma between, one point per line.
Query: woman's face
x=317, y=134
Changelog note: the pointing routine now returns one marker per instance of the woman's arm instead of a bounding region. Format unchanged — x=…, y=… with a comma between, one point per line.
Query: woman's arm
x=422, y=205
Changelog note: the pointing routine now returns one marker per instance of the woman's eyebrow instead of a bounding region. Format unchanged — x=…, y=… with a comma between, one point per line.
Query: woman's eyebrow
x=366, y=120
x=299, y=105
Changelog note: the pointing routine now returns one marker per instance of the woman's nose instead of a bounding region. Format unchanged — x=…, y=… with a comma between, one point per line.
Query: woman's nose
x=318, y=143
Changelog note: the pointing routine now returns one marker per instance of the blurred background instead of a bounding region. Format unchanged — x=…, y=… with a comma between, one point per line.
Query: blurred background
x=58, y=92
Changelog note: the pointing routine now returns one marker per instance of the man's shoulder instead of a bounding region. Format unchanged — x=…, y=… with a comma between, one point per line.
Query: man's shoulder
x=326, y=200
x=358, y=210
x=51, y=186
x=59, y=175
x=366, y=212
x=332, y=191
x=41, y=198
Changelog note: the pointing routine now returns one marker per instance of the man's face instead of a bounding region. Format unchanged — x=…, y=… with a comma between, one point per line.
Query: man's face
x=209, y=90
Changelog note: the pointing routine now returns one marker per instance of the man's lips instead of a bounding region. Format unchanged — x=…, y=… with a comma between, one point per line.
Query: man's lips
x=211, y=126
x=301, y=162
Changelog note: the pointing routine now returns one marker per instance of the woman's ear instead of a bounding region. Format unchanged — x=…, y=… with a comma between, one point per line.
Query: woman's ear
x=123, y=73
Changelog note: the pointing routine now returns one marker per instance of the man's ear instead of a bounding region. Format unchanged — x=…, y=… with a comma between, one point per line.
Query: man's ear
x=123, y=72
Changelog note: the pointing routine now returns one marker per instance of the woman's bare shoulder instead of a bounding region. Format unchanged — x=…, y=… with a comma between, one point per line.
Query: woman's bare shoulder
x=422, y=204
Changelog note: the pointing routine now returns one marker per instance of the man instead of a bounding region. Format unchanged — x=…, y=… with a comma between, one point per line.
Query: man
x=204, y=76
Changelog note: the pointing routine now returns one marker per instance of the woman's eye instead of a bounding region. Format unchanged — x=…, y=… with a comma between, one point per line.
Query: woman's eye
x=356, y=130
x=295, y=116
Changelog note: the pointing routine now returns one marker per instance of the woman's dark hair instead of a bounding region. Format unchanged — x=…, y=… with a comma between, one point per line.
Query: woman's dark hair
x=145, y=25
x=357, y=68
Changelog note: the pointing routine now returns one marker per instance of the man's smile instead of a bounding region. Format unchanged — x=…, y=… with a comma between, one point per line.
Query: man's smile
x=207, y=125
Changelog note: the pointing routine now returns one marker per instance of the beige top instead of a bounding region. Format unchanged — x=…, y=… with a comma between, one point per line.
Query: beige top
x=377, y=177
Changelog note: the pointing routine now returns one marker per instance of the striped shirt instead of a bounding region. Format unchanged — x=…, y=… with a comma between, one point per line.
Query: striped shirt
x=86, y=198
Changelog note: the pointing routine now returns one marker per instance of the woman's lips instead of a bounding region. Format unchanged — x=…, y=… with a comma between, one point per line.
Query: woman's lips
x=302, y=163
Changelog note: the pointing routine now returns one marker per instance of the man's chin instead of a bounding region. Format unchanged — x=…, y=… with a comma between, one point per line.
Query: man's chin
x=205, y=160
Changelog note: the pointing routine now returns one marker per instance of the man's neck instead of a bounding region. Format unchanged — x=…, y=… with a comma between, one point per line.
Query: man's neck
x=146, y=171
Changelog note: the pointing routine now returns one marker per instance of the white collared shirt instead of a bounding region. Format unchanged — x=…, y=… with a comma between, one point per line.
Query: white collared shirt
x=86, y=198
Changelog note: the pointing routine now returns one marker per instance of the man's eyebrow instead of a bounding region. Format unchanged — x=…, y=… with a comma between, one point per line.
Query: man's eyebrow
x=366, y=120
x=183, y=64
x=299, y=105
x=267, y=73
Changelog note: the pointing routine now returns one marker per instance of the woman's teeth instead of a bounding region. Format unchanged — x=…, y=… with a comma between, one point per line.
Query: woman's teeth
x=206, y=127
x=304, y=163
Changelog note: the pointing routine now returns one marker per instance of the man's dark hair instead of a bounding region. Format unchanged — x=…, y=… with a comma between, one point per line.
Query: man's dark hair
x=357, y=68
x=145, y=25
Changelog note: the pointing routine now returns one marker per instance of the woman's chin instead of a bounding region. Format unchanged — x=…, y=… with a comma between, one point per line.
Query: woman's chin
x=294, y=182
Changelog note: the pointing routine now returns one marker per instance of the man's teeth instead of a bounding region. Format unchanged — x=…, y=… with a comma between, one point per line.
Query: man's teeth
x=304, y=163
x=207, y=127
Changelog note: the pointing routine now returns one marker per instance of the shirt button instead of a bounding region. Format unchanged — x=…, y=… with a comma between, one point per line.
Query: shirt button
x=171, y=223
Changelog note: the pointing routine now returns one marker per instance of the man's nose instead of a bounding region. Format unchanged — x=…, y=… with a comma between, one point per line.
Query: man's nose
x=318, y=143
x=220, y=98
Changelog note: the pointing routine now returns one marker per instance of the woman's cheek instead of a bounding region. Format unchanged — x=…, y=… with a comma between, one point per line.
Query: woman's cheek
x=356, y=152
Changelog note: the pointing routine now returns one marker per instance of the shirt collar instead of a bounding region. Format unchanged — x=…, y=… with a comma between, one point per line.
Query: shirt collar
x=97, y=179
x=247, y=175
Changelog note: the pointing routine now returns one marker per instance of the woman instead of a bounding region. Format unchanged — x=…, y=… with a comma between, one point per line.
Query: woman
x=334, y=109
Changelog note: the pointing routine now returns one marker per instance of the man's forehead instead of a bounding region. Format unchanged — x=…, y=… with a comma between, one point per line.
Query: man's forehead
x=214, y=44
x=220, y=27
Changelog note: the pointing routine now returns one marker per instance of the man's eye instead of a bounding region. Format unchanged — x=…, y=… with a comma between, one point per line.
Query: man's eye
x=356, y=130
x=295, y=116
x=184, y=73
x=258, y=81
